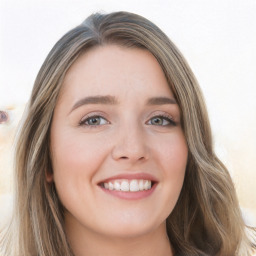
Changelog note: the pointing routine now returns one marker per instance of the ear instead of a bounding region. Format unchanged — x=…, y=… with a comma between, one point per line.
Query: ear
x=49, y=176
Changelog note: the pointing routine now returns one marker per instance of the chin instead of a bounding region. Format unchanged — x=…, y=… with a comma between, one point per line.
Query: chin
x=131, y=229
x=129, y=232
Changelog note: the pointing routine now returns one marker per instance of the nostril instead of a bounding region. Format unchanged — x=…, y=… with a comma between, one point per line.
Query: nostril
x=3, y=117
x=124, y=157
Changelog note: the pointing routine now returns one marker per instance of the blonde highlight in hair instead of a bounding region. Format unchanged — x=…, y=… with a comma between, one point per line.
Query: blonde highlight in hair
x=206, y=219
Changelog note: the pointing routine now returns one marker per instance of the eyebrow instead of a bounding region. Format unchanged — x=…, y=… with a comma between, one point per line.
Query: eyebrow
x=111, y=100
x=106, y=100
x=161, y=101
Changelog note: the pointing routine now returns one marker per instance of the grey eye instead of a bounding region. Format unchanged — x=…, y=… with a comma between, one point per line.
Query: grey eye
x=161, y=121
x=157, y=121
x=94, y=121
x=3, y=117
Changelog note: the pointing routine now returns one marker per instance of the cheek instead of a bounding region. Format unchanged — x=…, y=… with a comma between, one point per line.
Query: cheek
x=173, y=153
x=75, y=155
x=76, y=159
x=172, y=157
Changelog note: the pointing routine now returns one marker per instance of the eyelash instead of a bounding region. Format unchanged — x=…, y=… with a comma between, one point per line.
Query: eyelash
x=84, y=120
x=167, y=118
x=161, y=116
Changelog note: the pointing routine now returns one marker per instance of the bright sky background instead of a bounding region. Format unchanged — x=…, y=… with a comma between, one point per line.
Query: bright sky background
x=217, y=37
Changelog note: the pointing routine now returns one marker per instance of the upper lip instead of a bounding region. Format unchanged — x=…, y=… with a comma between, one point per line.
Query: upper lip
x=131, y=176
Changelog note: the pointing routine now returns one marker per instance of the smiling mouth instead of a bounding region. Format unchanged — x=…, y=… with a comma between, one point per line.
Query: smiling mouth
x=124, y=185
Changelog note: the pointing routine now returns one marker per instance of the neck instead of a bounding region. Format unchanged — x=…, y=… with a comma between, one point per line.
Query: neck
x=90, y=243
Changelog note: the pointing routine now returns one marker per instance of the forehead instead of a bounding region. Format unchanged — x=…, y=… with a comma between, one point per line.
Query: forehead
x=113, y=69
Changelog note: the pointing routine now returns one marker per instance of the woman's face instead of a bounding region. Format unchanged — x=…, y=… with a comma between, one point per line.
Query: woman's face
x=118, y=149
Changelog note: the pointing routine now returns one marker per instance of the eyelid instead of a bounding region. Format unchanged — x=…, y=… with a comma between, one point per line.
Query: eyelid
x=165, y=116
x=91, y=115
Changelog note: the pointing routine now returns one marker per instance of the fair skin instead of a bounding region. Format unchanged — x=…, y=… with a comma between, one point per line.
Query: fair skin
x=116, y=121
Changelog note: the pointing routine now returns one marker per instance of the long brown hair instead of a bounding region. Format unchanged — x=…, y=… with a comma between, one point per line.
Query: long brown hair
x=206, y=219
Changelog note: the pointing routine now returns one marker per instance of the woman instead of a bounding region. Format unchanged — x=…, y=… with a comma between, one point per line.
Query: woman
x=116, y=154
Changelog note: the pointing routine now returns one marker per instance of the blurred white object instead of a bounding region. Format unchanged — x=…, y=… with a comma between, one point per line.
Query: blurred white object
x=6, y=203
x=248, y=217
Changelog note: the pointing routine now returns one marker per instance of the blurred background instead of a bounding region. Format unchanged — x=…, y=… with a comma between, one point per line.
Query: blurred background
x=217, y=37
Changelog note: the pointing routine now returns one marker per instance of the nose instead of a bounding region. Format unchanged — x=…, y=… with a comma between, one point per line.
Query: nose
x=130, y=145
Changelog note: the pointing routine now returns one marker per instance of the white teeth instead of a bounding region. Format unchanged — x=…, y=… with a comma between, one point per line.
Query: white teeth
x=134, y=186
x=141, y=184
x=117, y=186
x=126, y=185
x=147, y=185
x=110, y=186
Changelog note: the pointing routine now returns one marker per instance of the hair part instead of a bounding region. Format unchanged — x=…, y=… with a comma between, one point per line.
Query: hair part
x=206, y=219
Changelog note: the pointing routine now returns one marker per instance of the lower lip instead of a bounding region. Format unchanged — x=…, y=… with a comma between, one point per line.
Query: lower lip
x=131, y=195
